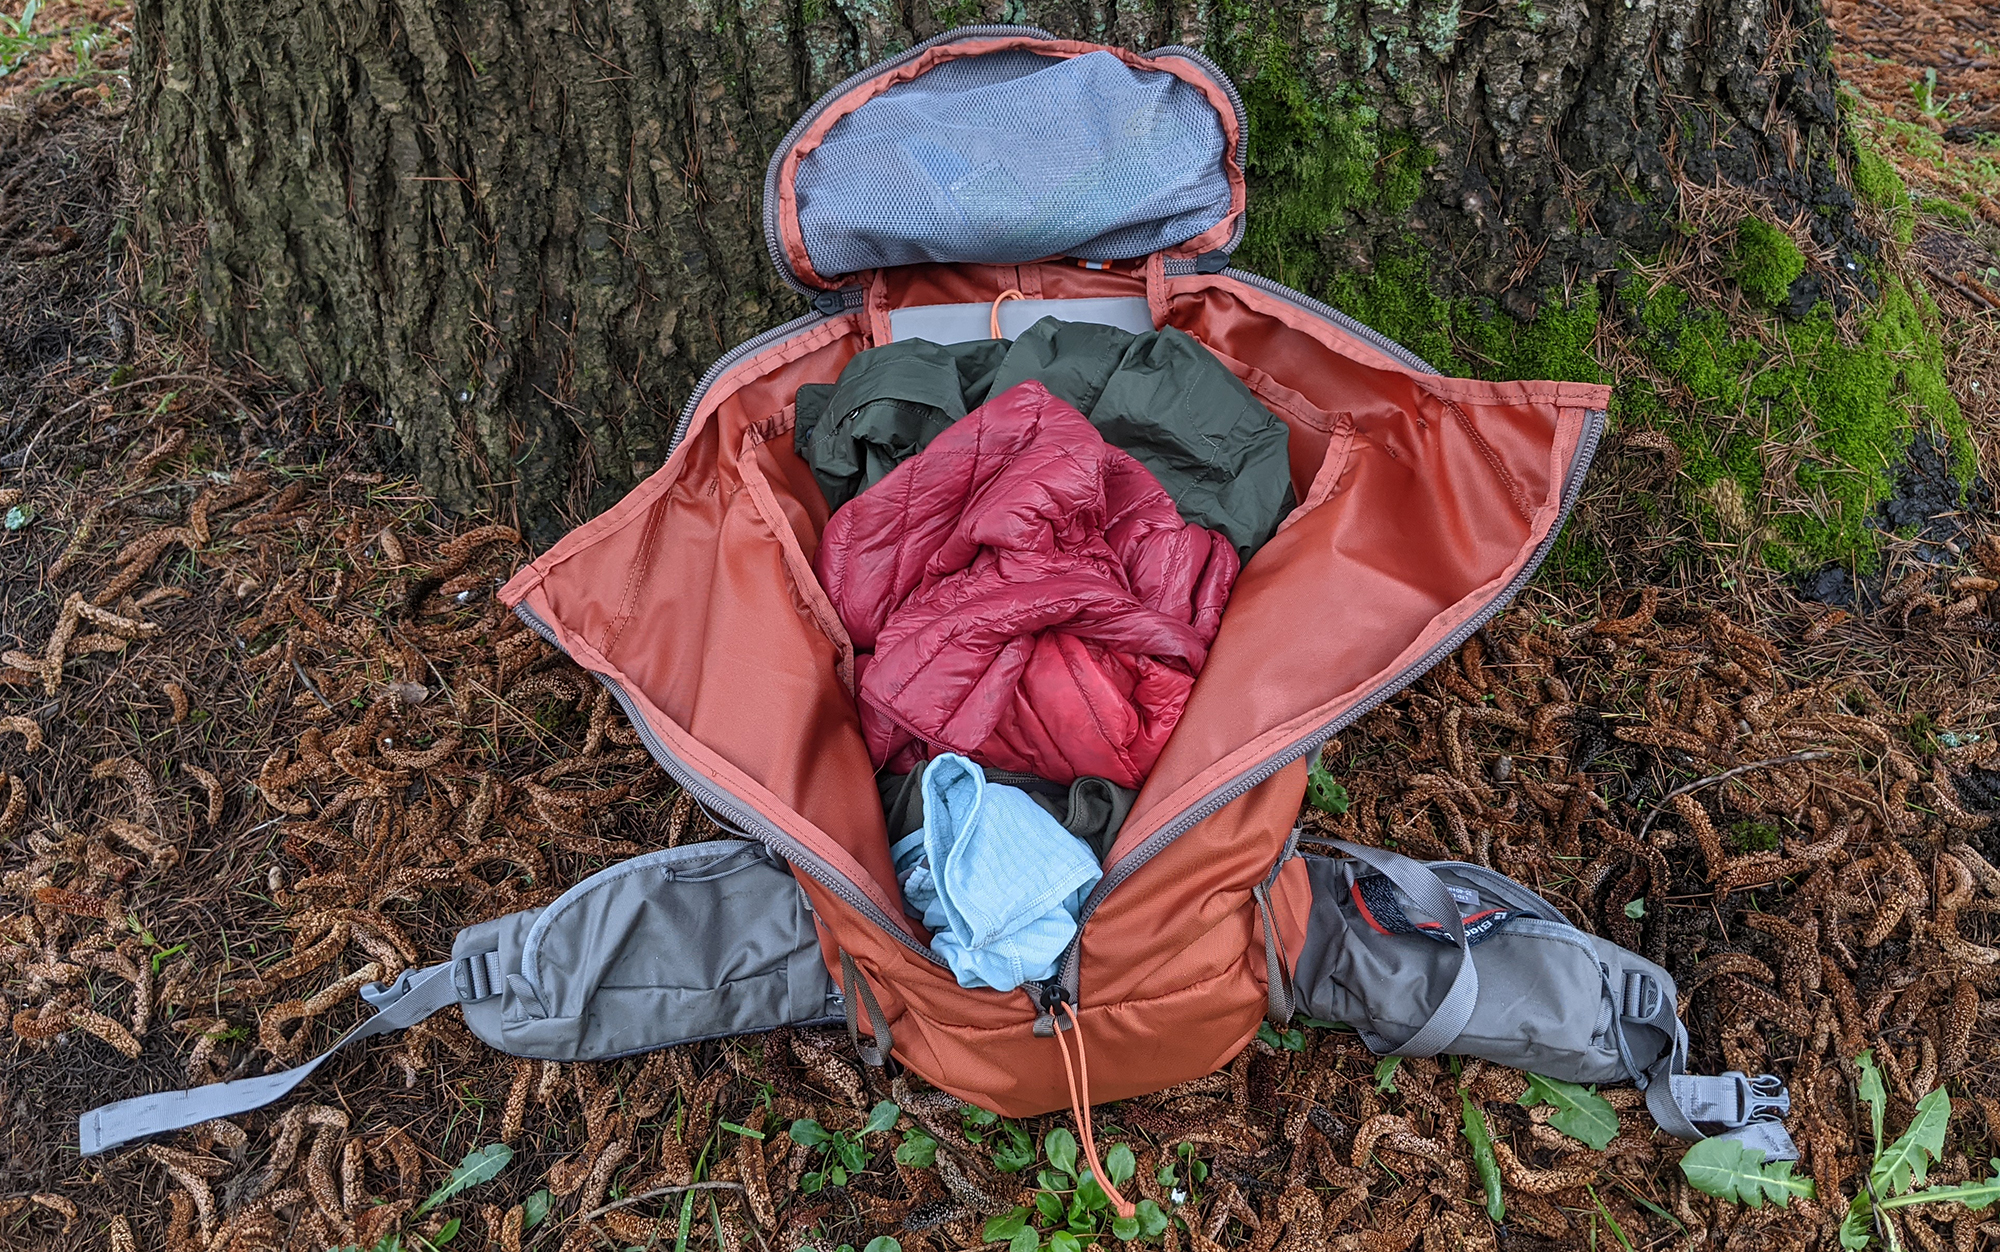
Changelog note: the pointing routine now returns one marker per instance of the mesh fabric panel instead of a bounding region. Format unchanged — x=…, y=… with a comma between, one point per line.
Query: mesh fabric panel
x=1012, y=156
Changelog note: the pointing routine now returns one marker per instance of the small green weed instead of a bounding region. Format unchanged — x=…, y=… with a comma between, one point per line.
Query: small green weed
x=1070, y=1209
x=1929, y=102
x=1183, y=1176
x=843, y=1155
x=1899, y=1168
x=1385, y=1073
x=1293, y=1040
x=1013, y=1148
x=1481, y=1139
x=1323, y=792
x=18, y=40
x=1725, y=1168
x=1581, y=1113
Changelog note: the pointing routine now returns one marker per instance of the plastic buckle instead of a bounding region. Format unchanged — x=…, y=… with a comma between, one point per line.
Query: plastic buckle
x=1767, y=1136
x=1768, y=1100
x=383, y=994
x=1732, y=1099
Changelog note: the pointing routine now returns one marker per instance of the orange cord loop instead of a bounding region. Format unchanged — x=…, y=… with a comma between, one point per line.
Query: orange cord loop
x=1079, y=1108
x=993, y=319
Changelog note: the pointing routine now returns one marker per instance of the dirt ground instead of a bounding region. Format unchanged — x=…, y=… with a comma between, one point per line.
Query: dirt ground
x=265, y=736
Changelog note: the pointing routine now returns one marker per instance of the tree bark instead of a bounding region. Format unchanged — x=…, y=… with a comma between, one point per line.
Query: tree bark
x=526, y=228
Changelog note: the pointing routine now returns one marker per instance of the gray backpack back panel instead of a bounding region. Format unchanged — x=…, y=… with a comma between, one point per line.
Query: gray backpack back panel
x=687, y=943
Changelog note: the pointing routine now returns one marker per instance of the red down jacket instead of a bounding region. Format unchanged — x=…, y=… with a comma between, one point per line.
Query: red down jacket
x=1030, y=596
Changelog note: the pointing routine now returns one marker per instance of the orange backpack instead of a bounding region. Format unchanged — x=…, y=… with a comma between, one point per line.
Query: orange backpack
x=970, y=187
x=1424, y=504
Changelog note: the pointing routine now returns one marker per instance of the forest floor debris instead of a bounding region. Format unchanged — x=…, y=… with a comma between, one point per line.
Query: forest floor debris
x=1925, y=77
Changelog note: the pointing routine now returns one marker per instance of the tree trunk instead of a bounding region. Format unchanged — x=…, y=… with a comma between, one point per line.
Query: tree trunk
x=525, y=229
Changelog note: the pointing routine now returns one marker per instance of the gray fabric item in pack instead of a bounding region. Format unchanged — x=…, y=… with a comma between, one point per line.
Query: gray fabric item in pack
x=959, y=323
x=1090, y=808
x=674, y=946
x=1009, y=157
x=1447, y=957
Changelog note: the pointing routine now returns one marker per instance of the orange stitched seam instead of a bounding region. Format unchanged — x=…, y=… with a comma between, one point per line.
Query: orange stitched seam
x=1514, y=492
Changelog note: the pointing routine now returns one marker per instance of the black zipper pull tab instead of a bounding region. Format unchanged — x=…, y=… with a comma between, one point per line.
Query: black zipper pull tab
x=1046, y=995
x=830, y=303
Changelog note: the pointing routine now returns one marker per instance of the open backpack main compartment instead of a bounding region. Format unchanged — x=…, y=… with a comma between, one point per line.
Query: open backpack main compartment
x=968, y=186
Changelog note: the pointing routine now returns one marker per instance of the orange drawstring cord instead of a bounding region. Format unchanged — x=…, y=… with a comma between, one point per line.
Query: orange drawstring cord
x=1079, y=1108
x=993, y=319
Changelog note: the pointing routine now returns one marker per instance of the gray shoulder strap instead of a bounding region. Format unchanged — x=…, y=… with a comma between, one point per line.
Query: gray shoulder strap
x=1428, y=893
x=403, y=1003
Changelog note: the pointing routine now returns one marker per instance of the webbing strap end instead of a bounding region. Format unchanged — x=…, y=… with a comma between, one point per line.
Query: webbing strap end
x=412, y=997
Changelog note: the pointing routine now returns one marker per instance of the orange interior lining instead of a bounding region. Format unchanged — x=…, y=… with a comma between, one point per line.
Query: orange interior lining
x=690, y=590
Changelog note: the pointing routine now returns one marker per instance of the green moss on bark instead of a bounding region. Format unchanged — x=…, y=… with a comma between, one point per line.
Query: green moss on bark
x=1790, y=441
x=1317, y=161
x=1831, y=418
x=1457, y=336
x=1767, y=263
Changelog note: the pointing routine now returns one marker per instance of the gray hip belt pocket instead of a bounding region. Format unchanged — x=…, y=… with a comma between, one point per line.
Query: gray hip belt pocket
x=1428, y=958
x=1451, y=957
x=687, y=943
x=695, y=942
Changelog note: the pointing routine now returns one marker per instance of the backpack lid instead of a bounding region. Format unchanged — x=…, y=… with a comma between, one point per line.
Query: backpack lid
x=1002, y=145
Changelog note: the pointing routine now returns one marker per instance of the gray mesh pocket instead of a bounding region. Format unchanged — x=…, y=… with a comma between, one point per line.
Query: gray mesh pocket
x=1012, y=156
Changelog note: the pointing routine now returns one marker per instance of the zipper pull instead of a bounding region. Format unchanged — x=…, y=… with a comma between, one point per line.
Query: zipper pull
x=1046, y=996
x=834, y=303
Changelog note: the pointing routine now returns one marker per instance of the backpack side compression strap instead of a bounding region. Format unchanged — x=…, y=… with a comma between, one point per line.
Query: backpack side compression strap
x=403, y=1003
x=1430, y=896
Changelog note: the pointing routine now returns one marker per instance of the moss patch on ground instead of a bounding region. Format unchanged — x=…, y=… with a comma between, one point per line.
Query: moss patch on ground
x=1830, y=418
x=1840, y=414
x=1968, y=174
x=1767, y=262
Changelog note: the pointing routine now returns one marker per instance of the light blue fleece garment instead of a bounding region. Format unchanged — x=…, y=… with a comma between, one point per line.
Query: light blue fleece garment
x=997, y=880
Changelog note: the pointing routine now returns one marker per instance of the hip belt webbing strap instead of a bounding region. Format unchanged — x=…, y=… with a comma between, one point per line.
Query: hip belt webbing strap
x=414, y=996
